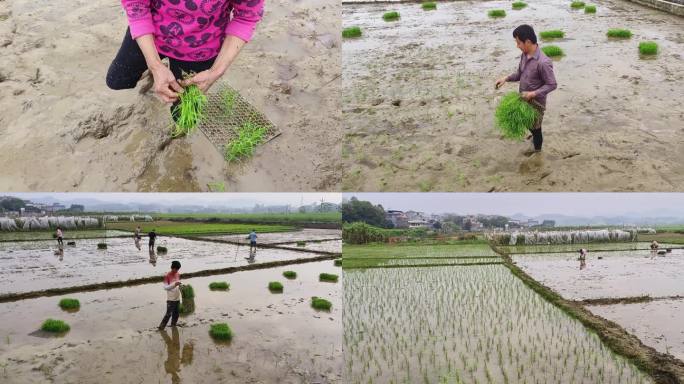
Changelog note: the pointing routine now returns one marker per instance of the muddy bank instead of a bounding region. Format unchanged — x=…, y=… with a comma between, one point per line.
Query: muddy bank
x=113, y=339
x=626, y=300
x=419, y=100
x=89, y=138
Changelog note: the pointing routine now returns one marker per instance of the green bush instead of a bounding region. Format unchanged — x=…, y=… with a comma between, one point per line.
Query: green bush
x=187, y=292
x=497, y=13
x=552, y=50
x=275, y=286
x=328, y=277
x=161, y=249
x=552, y=34
x=577, y=4
x=101, y=245
x=429, y=6
x=518, y=5
x=220, y=331
x=290, y=274
x=55, y=326
x=68, y=304
x=321, y=304
x=351, y=32
x=619, y=33
x=391, y=16
x=514, y=116
x=219, y=285
x=648, y=47
x=590, y=9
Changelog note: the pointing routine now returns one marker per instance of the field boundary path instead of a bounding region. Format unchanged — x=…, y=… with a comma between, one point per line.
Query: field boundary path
x=262, y=245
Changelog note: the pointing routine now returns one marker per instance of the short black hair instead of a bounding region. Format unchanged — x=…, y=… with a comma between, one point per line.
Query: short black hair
x=175, y=264
x=525, y=32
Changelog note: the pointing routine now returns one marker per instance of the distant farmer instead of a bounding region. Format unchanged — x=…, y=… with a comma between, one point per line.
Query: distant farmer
x=60, y=237
x=252, y=240
x=152, y=237
x=654, y=245
x=535, y=74
x=172, y=286
x=583, y=254
x=137, y=237
x=197, y=36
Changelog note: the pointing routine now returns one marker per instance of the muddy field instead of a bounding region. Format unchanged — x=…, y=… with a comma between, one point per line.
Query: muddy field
x=285, y=237
x=68, y=235
x=617, y=274
x=318, y=246
x=34, y=266
x=419, y=100
x=563, y=248
x=59, y=112
x=113, y=337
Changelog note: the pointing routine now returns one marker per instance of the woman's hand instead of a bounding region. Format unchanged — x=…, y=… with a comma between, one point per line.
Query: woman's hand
x=165, y=85
x=204, y=80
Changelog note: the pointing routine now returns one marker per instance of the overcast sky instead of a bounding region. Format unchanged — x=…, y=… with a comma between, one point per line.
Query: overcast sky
x=229, y=199
x=532, y=204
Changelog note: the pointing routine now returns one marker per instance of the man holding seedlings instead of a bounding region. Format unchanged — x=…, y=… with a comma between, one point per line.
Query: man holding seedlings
x=152, y=237
x=172, y=286
x=535, y=74
x=198, y=37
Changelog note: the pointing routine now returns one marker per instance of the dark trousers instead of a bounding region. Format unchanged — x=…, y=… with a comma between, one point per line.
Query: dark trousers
x=151, y=245
x=172, y=313
x=60, y=241
x=537, y=137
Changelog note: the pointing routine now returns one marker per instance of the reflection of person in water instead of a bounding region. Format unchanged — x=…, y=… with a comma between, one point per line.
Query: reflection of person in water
x=60, y=253
x=153, y=258
x=137, y=237
x=174, y=356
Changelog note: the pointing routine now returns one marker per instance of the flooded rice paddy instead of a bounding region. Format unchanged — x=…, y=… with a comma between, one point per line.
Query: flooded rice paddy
x=307, y=234
x=562, y=248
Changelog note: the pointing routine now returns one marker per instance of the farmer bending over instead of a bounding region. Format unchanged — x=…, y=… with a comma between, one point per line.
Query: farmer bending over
x=173, y=295
x=535, y=74
x=197, y=36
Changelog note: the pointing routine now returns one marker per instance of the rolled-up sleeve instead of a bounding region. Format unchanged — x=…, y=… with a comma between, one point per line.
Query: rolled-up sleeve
x=139, y=17
x=246, y=15
x=546, y=72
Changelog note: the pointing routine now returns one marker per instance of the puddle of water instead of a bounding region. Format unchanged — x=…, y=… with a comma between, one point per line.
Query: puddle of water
x=286, y=237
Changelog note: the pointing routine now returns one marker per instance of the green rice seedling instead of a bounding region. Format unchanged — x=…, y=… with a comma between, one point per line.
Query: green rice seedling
x=338, y=262
x=590, y=9
x=218, y=186
x=577, y=4
x=219, y=286
x=220, y=331
x=187, y=292
x=72, y=243
x=429, y=6
x=249, y=136
x=497, y=13
x=189, y=111
x=518, y=5
x=101, y=245
x=552, y=34
x=328, y=277
x=514, y=116
x=55, y=326
x=552, y=50
x=290, y=274
x=275, y=286
x=69, y=304
x=391, y=16
x=321, y=304
x=301, y=243
x=648, y=47
x=161, y=249
x=619, y=33
x=351, y=32
x=228, y=96
x=187, y=306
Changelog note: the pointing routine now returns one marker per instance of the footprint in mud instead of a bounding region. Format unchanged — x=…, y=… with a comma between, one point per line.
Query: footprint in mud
x=532, y=164
x=100, y=125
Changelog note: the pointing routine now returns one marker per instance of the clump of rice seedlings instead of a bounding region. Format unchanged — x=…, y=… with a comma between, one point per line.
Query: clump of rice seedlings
x=351, y=32
x=590, y=9
x=514, y=116
x=328, y=277
x=161, y=249
x=275, y=286
x=187, y=306
x=69, y=304
x=429, y=6
x=321, y=304
x=648, y=47
x=338, y=262
x=518, y=5
x=577, y=4
x=619, y=33
x=101, y=245
x=552, y=51
x=391, y=16
x=220, y=331
x=301, y=243
x=71, y=243
x=497, y=13
x=228, y=96
x=219, y=285
x=55, y=326
x=189, y=111
x=290, y=274
x=249, y=136
x=552, y=34
x=187, y=292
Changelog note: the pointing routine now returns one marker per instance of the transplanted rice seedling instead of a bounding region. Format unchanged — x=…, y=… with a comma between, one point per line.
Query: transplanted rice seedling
x=161, y=249
x=187, y=292
x=228, y=96
x=249, y=135
x=514, y=116
x=101, y=245
x=648, y=47
x=351, y=32
x=577, y=4
x=69, y=304
x=328, y=277
x=219, y=286
x=391, y=16
x=220, y=331
x=189, y=111
x=290, y=274
x=56, y=326
x=322, y=304
x=301, y=243
x=552, y=50
x=590, y=9
x=619, y=33
x=552, y=34
x=497, y=13
x=518, y=5
x=429, y=6
x=338, y=262
x=275, y=286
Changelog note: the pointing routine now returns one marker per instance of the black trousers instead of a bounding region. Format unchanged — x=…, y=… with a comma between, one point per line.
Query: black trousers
x=537, y=137
x=60, y=241
x=172, y=312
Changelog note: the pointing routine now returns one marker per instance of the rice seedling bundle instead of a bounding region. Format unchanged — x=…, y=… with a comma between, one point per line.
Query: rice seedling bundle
x=219, y=285
x=497, y=13
x=518, y=5
x=577, y=4
x=101, y=245
x=648, y=47
x=328, y=277
x=187, y=306
x=55, y=326
x=429, y=6
x=391, y=16
x=187, y=292
x=322, y=304
x=552, y=51
x=514, y=116
x=590, y=9
x=301, y=243
x=619, y=33
x=220, y=331
x=249, y=136
x=161, y=249
x=275, y=286
x=68, y=303
x=71, y=243
x=338, y=262
x=290, y=274
x=189, y=111
x=552, y=34
x=351, y=32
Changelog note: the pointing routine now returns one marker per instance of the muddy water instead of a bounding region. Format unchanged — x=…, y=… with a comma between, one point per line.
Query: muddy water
x=53, y=79
x=552, y=248
x=277, y=337
x=617, y=274
x=33, y=266
x=657, y=324
x=319, y=246
x=285, y=237
x=68, y=235
x=419, y=100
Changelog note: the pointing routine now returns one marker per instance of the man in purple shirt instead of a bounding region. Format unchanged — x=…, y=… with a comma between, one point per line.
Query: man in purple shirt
x=535, y=74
